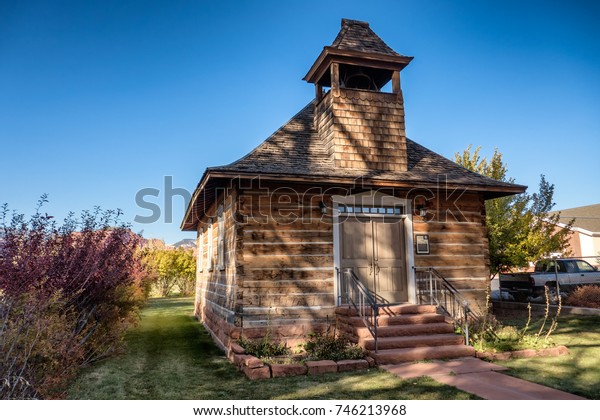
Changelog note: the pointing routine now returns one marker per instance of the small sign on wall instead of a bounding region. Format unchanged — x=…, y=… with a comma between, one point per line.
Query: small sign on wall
x=422, y=242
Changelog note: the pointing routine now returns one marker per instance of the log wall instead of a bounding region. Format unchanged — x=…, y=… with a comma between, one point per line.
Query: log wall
x=285, y=258
x=458, y=243
x=278, y=271
x=216, y=286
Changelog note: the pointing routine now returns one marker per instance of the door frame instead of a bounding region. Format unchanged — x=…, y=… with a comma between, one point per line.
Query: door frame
x=375, y=198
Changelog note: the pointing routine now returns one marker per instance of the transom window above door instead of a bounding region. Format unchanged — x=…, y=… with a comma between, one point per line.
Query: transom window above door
x=383, y=210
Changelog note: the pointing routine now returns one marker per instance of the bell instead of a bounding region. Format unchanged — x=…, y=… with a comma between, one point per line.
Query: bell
x=356, y=78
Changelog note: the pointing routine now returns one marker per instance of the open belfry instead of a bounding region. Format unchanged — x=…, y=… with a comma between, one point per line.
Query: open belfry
x=359, y=125
x=339, y=220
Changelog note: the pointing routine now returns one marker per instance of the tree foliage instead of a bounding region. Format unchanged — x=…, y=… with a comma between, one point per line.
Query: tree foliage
x=520, y=227
x=170, y=269
x=67, y=294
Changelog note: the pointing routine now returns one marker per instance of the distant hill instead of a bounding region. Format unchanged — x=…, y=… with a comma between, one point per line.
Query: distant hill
x=185, y=243
x=154, y=243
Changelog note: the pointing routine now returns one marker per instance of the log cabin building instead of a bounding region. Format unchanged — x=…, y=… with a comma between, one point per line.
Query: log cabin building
x=337, y=189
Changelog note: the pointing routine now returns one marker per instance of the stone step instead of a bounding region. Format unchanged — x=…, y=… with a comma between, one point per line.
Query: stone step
x=386, y=343
x=406, y=330
x=386, y=320
x=394, y=356
x=407, y=308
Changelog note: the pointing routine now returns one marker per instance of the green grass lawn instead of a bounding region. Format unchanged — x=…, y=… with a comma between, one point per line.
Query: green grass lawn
x=578, y=372
x=171, y=356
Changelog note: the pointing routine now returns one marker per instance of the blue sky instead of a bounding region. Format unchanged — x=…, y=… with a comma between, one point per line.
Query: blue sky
x=101, y=99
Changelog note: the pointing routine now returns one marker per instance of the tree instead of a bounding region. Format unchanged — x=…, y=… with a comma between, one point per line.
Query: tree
x=520, y=227
x=169, y=269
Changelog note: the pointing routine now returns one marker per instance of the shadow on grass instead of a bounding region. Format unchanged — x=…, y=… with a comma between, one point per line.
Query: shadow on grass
x=579, y=371
x=171, y=356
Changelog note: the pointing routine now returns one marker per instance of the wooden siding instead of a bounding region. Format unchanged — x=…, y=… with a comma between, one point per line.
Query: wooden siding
x=458, y=244
x=285, y=257
x=215, y=284
x=362, y=129
x=279, y=262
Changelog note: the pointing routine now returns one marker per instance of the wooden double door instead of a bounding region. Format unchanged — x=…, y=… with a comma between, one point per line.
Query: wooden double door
x=375, y=249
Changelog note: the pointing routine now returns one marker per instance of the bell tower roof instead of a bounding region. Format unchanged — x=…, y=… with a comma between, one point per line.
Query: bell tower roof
x=356, y=35
x=356, y=44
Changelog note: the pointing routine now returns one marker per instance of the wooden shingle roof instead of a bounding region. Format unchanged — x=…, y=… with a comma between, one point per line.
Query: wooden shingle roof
x=295, y=152
x=358, y=36
x=355, y=44
x=296, y=149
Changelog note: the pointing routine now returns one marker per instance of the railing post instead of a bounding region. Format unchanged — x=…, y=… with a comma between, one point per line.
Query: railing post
x=447, y=298
x=375, y=317
x=339, y=286
x=430, y=287
x=467, y=326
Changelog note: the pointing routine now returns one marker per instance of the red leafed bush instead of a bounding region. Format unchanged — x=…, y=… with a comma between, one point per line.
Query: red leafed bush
x=67, y=295
x=585, y=296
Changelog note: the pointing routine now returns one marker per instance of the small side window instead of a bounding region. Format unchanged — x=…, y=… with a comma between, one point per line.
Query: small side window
x=209, y=247
x=220, y=239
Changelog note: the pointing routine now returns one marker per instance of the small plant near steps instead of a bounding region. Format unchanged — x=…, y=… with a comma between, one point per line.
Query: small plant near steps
x=321, y=353
x=329, y=346
x=495, y=341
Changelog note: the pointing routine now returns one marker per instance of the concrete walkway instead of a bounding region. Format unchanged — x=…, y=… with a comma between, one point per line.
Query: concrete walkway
x=479, y=378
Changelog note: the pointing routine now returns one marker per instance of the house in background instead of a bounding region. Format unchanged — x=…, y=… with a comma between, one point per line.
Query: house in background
x=585, y=240
x=337, y=203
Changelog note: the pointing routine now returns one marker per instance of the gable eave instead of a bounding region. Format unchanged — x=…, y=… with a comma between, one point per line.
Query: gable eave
x=357, y=58
x=215, y=177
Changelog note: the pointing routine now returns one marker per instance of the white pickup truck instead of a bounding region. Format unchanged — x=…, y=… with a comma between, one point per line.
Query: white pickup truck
x=568, y=272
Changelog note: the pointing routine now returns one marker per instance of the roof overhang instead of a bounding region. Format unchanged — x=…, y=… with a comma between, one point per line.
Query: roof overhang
x=214, y=182
x=335, y=55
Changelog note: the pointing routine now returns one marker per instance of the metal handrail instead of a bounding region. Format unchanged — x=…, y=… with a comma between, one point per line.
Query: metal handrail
x=353, y=292
x=433, y=288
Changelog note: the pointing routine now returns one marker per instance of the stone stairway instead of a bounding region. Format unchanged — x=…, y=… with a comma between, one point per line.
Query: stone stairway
x=405, y=333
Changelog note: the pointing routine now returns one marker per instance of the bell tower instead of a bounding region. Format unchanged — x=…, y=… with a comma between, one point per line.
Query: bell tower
x=361, y=126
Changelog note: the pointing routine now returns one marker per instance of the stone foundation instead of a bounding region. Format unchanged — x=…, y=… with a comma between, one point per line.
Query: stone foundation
x=254, y=368
x=226, y=334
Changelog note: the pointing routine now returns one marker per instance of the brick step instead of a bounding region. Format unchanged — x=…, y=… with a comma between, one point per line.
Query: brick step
x=407, y=308
x=394, y=356
x=406, y=330
x=386, y=320
x=386, y=343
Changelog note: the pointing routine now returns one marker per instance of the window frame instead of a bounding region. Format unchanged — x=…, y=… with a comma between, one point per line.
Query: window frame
x=220, y=265
x=210, y=247
x=200, y=251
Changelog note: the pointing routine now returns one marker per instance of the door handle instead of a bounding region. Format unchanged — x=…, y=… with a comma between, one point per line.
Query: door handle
x=378, y=269
x=370, y=268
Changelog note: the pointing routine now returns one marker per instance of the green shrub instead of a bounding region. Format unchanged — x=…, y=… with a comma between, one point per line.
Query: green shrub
x=264, y=348
x=328, y=346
